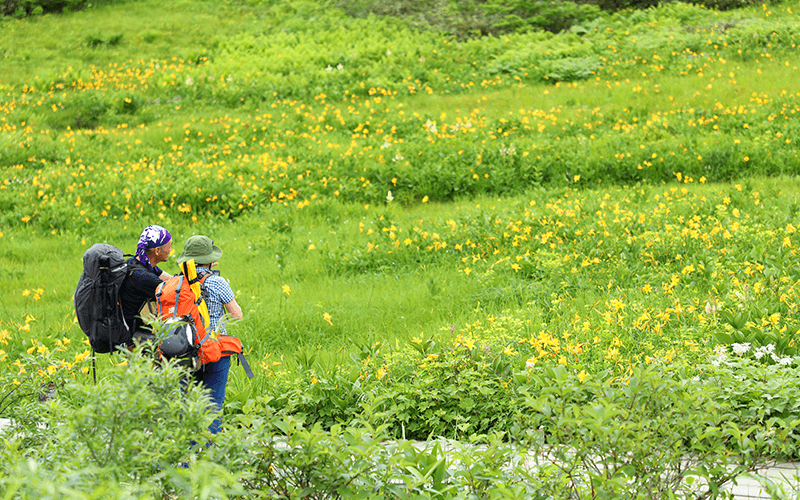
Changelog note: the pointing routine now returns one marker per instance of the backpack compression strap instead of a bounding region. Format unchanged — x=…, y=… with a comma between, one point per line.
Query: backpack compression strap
x=245, y=365
x=190, y=271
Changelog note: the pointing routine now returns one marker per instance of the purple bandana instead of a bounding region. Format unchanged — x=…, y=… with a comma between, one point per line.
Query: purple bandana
x=152, y=237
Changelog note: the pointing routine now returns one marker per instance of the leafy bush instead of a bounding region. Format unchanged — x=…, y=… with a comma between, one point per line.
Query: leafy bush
x=650, y=434
x=23, y=8
x=548, y=15
x=137, y=425
x=465, y=19
x=756, y=394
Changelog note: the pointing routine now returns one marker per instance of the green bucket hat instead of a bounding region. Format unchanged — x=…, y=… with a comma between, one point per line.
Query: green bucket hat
x=201, y=249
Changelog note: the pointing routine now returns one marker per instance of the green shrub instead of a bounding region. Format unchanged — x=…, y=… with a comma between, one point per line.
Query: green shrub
x=24, y=8
x=135, y=426
x=548, y=15
x=650, y=434
x=644, y=4
x=756, y=394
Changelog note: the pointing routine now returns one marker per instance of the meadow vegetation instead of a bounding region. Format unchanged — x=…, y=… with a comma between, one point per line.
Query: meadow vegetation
x=579, y=244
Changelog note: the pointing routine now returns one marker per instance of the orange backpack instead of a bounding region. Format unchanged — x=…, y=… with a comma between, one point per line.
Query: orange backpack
x=182, y=308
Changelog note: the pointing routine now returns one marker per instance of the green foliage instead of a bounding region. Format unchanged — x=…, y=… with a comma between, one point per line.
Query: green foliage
x=499, y=240
x=612, y=437
x=549, y=15
x=24, y=8
x=755, y=394
x=655, y=432
x=137, y=429
x=644, y=4
x=464, y=19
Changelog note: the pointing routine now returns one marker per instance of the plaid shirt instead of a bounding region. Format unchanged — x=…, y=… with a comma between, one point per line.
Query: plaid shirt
x=218, y=293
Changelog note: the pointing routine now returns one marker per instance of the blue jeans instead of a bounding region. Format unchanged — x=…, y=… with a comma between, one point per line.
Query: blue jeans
x=215, y=377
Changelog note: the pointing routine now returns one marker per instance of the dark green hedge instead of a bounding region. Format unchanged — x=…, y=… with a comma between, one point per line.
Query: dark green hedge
x=471, y=18
x=24, y=8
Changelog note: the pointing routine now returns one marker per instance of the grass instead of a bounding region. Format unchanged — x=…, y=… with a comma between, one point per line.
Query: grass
x=321, y=253
x=611, y=95
x=42, y=46
x=433, y=318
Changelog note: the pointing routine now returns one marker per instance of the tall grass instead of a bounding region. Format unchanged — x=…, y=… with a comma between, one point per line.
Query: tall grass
x=362, y=215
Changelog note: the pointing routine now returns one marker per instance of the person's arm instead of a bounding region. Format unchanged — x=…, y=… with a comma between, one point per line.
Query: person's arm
x=234, y=310
x=164, y=276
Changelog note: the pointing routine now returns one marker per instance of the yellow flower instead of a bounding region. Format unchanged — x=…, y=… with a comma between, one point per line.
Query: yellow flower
x=582, y=375
x=509, y=351
x=286, y=289
x=327, y=317
x=314, y=380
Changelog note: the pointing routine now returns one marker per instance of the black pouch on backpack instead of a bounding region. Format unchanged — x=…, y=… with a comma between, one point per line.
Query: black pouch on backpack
x=177, y=344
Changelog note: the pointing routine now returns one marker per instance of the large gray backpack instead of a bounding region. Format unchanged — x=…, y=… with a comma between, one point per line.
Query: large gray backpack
x=97, y=298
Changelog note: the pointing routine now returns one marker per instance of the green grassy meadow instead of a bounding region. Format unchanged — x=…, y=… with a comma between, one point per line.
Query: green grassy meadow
x=421, y=230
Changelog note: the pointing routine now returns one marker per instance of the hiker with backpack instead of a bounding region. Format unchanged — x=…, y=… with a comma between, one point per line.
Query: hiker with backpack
x=221, y=303
x=190, y=308
x=139, y=288
x=112, y=290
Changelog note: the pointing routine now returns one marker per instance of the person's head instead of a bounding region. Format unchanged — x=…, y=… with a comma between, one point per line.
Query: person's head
x=155, y=245
x=202, y=250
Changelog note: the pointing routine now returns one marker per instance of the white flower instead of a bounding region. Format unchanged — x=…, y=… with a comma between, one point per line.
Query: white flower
x=386, y=144
x=507, y=151
x=340, y=66
x=781, y=361
x=740, y=348
x=762, y=351
x=719, y=358
x=398, y=157
x=388, y=52
x=189, y=81
x=431, y=126
x=389, y=196
x=329, y=68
